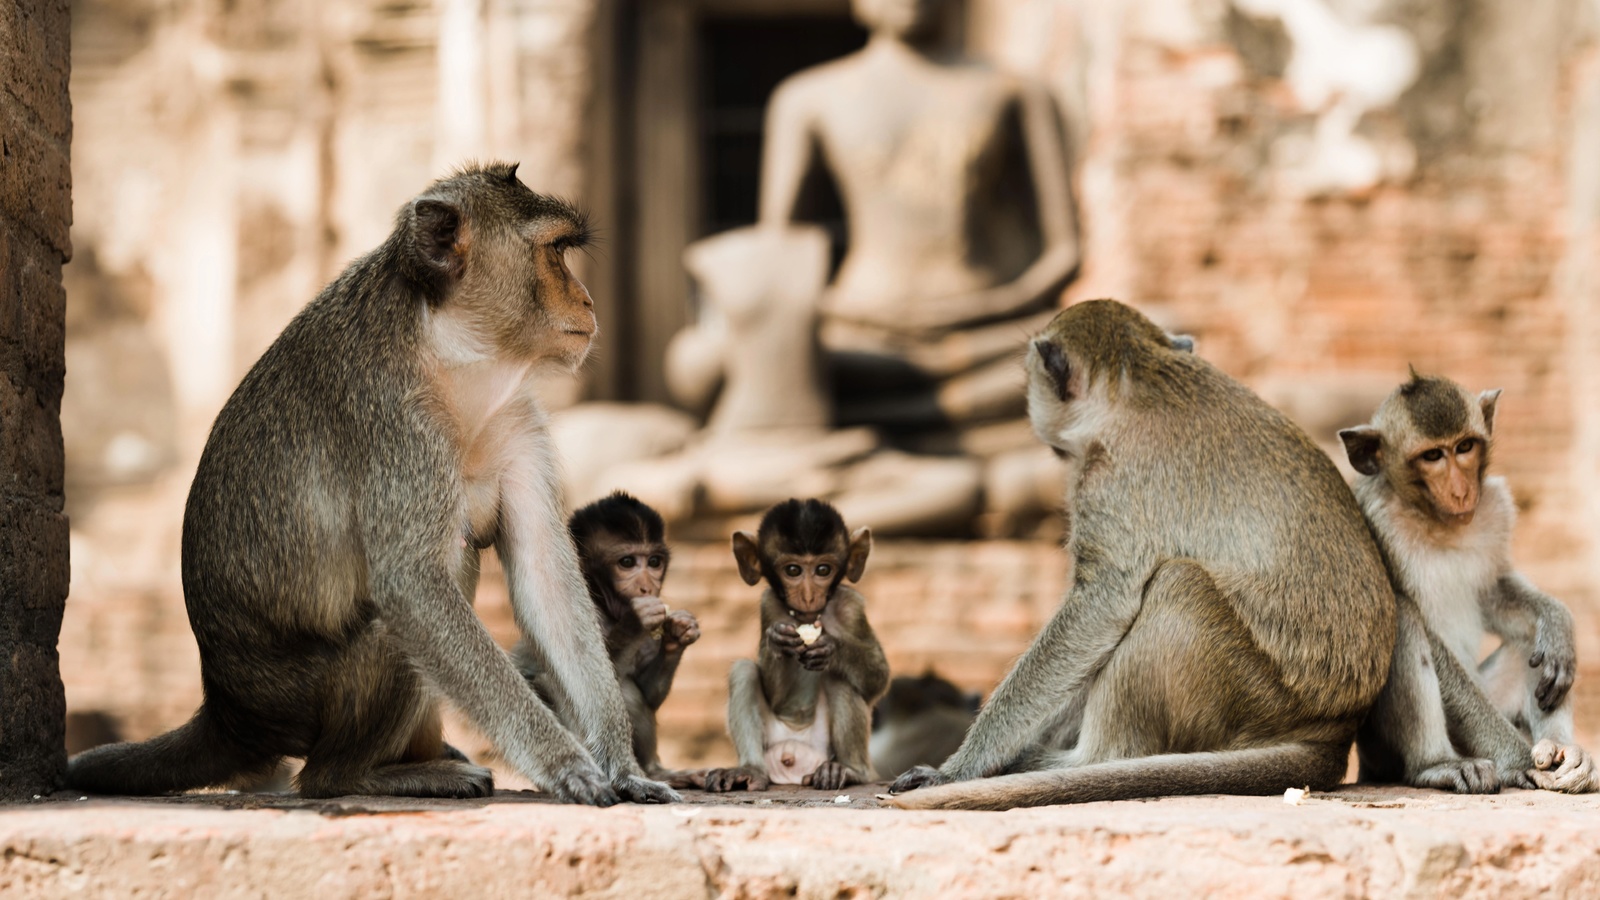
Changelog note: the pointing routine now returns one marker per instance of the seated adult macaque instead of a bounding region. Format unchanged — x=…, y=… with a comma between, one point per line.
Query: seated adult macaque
x=1230, y=621
x=919, y=722
x=623, y=551
x=1446, y=720
x=801, y=713
x=331, y=539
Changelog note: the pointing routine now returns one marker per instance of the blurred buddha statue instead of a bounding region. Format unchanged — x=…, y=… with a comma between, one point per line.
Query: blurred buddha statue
x=954, y=181
x=895, y=387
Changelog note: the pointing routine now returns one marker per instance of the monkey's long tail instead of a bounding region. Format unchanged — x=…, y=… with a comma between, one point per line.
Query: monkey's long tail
x=1265, y=770
x=194, y=755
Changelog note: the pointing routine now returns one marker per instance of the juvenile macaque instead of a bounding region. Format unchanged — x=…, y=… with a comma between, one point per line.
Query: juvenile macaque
x=1445, y=529
x=1230, y=620
x=623, y=551
x=919, y=722
x=801, y=713
x=331, y=539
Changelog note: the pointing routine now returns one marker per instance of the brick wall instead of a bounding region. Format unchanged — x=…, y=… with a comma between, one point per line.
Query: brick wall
x=35, y=212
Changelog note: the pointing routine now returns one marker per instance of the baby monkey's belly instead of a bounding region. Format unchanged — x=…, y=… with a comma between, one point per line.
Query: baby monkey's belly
x=795, y=752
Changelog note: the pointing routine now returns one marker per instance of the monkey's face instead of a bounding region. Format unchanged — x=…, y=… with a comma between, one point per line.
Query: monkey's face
x=806, y=581
x=556, y=320
x=636, y=569
x=1430, y=440
x=1451, y=474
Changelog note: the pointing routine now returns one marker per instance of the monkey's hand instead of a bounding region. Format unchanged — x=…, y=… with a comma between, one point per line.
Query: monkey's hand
x=816, y=657
x=634, y=789
x=830, y=776
x=749, y=778
x=1555, y=657
x=1566, y=768
x=682, y=629
x=918, y=777
x=582, y=784
x=651, y=611
x=785, y=640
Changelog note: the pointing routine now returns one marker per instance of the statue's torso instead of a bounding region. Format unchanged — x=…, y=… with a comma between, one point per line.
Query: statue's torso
x=918, y=151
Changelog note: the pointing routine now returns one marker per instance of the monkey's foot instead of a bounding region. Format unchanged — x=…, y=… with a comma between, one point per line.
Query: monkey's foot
x=918, y=777
x=830, y=776
x=1564, y=767
x=634, y=789
x=720, y=781
x=1464, y=776
x=583, y=786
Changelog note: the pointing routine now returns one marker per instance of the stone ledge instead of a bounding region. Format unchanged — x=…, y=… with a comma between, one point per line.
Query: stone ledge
x=1353, y=842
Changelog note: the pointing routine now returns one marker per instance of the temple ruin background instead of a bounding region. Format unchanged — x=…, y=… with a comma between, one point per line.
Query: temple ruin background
x=230, y=157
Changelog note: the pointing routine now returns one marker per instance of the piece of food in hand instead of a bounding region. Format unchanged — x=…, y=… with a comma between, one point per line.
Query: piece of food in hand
x=656, y=632
x=809, y=633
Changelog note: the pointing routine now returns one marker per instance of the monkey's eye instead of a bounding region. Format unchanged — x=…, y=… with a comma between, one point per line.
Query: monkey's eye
x=653, y=562
x=792, y=570
x=1466, y=446
x=824, y=570
x=628, y=562
x=1433, y=455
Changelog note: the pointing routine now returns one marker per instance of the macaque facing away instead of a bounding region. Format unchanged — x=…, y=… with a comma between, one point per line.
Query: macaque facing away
x=801, y=712
x=624, y=555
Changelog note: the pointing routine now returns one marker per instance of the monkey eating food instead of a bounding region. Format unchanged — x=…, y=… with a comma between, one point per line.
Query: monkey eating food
x=801, y=712
x=1229, y=622
x=1445, y=530
x=331, y=538
x=622, y=547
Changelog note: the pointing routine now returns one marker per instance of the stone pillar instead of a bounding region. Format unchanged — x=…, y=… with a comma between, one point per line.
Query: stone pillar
x=35, y=212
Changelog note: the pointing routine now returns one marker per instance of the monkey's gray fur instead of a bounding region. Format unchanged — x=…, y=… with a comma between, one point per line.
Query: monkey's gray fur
x=331, y=536
x=1230, y=621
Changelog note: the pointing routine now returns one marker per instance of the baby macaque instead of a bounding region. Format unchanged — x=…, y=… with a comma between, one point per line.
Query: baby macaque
x=801, y=713
x=623, y=553
x=1445, y=530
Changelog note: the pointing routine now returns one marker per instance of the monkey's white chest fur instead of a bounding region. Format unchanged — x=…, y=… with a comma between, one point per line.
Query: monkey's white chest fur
x=793, y=753
x=1448, y=581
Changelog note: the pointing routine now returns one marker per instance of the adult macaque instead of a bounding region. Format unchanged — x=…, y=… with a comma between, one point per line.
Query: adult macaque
x=623, y=551
x=331, y=539
x=919, y=722
x=801, y=713
x=1445, y=530
x=1230, y=621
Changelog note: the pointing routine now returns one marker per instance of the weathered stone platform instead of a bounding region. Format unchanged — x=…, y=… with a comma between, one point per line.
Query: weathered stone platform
x=1358, y=841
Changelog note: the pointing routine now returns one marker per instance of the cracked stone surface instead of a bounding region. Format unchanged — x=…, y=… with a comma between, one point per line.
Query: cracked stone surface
x=796, y=842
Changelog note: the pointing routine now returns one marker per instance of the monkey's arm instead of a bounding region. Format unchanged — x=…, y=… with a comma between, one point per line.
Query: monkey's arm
x=857, y=656
x=655, y=678
x=1074, y=644
x=1521, y=613
x=1475, y=725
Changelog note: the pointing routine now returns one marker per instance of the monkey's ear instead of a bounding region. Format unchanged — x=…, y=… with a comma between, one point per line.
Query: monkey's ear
x=1055, y=363
x=855, y=564
x=439, y=236
x=1486, y=402
x=1183, y=342
x=1363, y=444
x=748, y=555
